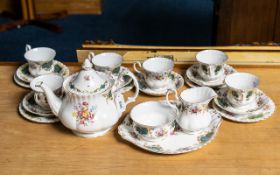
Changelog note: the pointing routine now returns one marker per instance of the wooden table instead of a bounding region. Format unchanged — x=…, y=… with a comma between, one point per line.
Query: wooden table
x=30, y=148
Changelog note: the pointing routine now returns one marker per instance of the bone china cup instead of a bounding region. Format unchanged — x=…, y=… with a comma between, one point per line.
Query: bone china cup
x=241, y=88
x=53, y=81
x=157, y=72
x=153, y=121
x=211, y=64
x=40, y=60
x=107, y=62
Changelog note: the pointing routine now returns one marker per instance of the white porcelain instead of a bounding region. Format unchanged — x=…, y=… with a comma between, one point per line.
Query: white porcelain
x=40, y=60
x=36, y=118
x=254, y=107
x=261, y=114
x=29, y=104
x=107, y=61
x=193, y=113
x=20, y=82
x=177, y=142
x=211, y=64
x=110, y=63
x=152, y=120
x=53, y=81
x=90, y=107
x=157, y=71
x=23, y=77
x=241, y=88
x=177, y=82
x=192, y=73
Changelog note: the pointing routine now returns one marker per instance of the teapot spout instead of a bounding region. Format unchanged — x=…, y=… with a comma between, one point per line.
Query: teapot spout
x=54, y=101
x=48, y=84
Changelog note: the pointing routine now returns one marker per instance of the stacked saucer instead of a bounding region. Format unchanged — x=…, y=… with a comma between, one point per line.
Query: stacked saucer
x=242, y=101
x=31, y=111
x=158, y=77
x=210, y=71
x=34, y=106
x=40, y=61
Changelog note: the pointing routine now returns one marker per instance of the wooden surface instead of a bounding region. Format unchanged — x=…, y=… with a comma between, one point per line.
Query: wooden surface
x=247, y=21
x=52, y=6
x=238, y=55
x=30, y=148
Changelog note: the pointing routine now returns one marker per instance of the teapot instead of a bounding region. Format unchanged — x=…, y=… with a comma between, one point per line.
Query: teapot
x=90, y=105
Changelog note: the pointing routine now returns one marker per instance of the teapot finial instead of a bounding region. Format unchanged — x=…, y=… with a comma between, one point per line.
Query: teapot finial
x=87, y=65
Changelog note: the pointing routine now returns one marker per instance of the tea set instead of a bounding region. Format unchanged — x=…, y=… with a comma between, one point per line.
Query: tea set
x=91, y=101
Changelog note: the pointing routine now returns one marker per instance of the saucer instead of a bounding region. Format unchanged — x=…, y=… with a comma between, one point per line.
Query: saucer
x=193, y=75
x=222, y=102
x=189, y=82
x=176, y=143
x=22, y=72
x=177, y=80
x=29, y=104
x=20, y=82
x=263, y=113
x=36, y=118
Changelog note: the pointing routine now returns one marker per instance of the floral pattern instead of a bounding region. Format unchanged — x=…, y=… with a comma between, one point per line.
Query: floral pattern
x=84, y=113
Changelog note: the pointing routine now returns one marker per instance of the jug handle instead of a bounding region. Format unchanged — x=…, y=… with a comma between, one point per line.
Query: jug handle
x=27, y=47
x=168, y=101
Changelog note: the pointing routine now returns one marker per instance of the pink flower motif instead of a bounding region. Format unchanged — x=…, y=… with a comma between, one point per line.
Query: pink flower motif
x=85, y=103
x=87, y=77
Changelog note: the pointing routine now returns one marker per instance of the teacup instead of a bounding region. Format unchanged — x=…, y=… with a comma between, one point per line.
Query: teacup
x=40, y=60
x=106, y=62
x=54, y=81
x=241, y=88
x=157, y=72
x=153, y=121
x=211, y=64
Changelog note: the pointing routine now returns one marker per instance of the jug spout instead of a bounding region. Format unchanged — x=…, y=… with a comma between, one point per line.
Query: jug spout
x=54, y=101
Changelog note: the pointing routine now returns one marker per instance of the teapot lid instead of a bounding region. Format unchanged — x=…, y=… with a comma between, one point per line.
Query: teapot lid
x=88, y=80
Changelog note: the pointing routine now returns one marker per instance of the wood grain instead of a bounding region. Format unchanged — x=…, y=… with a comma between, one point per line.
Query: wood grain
x=246, y=21
x=30, y=148
x=52, y=6
x=238, y=55
x=72, y=6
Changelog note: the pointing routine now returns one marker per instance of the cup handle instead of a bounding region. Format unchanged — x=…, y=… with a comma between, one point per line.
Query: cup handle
x=168, y=101
x=137, y=63
x=212, y=71
x=91, y=56
x=27, y=47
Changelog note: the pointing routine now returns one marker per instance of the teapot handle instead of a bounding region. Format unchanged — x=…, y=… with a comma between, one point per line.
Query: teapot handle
x=168, y=101
x=133, y=98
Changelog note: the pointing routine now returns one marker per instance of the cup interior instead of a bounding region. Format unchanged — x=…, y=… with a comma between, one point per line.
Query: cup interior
x=158, y=64
x=111, y=60
x=211, y=57
x=242, y=81
x=197, y=94
x=53, y=81
x=152, y=114
x=40, y=54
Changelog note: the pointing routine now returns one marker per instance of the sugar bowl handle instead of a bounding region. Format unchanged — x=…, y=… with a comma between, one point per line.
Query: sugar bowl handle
x=168, y=101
